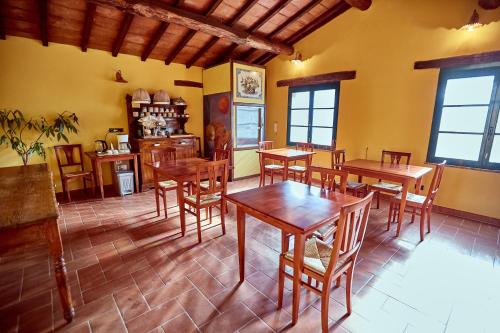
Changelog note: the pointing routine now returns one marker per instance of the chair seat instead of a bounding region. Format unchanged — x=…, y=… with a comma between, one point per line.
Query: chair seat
x=274, y=167
x=325, y=231
x=316, y=256
x=297, y=168
x=204, y=198
x=411, y=199
x=381, y=186
x=77, y=174
x=204, y=184
x=167, y=183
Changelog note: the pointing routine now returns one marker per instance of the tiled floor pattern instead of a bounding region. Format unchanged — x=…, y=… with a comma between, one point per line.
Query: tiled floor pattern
x=131, y=271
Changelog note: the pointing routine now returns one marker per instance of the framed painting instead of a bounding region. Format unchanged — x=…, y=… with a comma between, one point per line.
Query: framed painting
x=249, y=84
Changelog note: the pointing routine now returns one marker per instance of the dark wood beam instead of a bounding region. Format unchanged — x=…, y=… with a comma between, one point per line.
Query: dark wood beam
x=246, y=54
x=43, y=11
x=317, y=79
x=2, y=28
x=293, y=18
x=185, y=83
x=201, y=51
x=360, y=4
x=154, y=40
x=179, y=47
x=161, y=11
x=223, y=56
x=179, y=3
x=241, y=12
x=465, y=60
x=489, y=4
x=87, y=25
x=127, y=20
x=264, y=58
x=269, y=15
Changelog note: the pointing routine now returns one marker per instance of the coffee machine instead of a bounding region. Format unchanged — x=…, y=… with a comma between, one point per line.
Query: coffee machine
x=123, y=144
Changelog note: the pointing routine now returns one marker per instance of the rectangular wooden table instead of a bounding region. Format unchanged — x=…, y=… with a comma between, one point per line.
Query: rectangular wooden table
x=286, y=155
x=97, y=161
x=183, y=170
x=28, y=213
x=294, y=208
x=399, y=173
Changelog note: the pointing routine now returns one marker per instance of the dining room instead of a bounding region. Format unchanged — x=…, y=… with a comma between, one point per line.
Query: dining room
x=249, y=166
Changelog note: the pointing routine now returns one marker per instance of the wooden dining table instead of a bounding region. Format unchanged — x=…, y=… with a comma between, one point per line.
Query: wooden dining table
x=398, y=173
x=182, y=171
x=285, y=155
x=292, y=207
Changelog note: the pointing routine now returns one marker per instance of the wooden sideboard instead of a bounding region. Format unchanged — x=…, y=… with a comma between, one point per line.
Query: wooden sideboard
x=187, y=147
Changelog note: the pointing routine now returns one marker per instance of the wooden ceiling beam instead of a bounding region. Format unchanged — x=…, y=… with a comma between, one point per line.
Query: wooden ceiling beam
x=164, y=12
x=126, y=22
x=87, y=25
x=489, y=4
x=43, y=11
x=2, y=28
x=241, y=12
x=154, y=40
x=293, y=18
x=359, y=4
x=179, y=47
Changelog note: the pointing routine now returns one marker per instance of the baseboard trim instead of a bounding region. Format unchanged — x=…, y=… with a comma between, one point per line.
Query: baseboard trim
x=467, y=215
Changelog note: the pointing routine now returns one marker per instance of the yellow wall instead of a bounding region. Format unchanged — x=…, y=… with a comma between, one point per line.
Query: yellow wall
x=389, y=105
x=47, y=80
x=217, y=79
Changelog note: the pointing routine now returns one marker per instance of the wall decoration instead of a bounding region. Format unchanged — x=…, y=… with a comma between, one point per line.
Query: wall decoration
x=217, y=122
x=249, y=84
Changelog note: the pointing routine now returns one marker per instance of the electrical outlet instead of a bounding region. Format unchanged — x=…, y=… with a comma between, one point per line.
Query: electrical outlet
x=421, y=187
x=115, y=130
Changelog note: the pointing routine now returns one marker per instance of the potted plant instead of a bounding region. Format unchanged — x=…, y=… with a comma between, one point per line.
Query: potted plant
x=24, y=135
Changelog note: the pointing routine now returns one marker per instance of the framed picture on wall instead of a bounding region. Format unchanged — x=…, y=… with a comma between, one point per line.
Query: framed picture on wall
x=249, y=84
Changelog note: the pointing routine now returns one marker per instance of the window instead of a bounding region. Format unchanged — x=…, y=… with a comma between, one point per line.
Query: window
x=249, y=122
x=312, y=114
x=465, y=128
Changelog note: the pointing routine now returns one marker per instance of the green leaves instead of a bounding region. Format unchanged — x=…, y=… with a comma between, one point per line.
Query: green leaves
x=13, y=124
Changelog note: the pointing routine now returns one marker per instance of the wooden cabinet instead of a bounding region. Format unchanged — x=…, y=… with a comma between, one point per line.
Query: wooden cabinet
x=186, y=147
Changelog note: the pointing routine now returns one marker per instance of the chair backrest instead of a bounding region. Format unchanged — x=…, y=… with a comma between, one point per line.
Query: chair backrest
x=351, y=228
x=217, y=173
x=338, y=158
x=435, y=183
x=66, y=154
x=221, y=154
x=395, y=156
x=265, y=145
x=163, y=154
x=185, y=150
x=328, y=178
x=304, y=146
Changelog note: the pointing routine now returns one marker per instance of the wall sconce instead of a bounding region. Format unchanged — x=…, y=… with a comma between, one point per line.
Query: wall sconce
x=119, y=77
x=297, y=60
x=473, y=22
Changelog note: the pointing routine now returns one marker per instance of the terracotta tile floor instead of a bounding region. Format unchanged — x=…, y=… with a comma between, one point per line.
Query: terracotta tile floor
x=131, y=271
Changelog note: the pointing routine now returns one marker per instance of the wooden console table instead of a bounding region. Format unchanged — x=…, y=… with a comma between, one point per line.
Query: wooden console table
x=28, y=213
x=97, y=161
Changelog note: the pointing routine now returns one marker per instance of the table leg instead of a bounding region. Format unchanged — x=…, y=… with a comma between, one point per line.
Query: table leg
x=402, y=206
x=56, y=251
x=417, y=185
x=157, y=190
x=99, y=177
x=285, y=171
x=136, y=171
x=298, y=263
x=180, y=202
x=308, y=165
x=262, y=171
x=240, y=220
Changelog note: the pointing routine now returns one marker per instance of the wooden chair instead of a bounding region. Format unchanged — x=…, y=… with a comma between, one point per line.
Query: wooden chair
x=269, y=169
x=184, y=150
x=338, y=159
x=65, y=155
x=395, y=158
x=300, y=169
x=325, y=263
x=163, y=155
x=418, y=204
x=214, y=195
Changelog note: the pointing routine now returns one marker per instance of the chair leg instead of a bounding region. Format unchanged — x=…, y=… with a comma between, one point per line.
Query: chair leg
x=391, y=207
x=198, y=224
x=377, y=194
x=281, y=282
x=337, y=283
x=348, y=289
x=422, y=224
x=210, y=215
x=429, y=219
x=92, y=179
x=206, y=213
x=325, y=298
x=66, y=189
x=85, y=185
x=272, y=177
x=223, y=217
x=164, y=194
x=284, y=242
x=413, y=215
x=309, y=280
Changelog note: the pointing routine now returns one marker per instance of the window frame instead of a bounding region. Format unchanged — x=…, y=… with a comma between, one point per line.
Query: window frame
x=260, y=127
x=312, y=89
x=489, y=126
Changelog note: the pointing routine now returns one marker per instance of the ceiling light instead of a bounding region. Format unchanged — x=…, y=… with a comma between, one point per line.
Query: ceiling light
x=297, y=60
